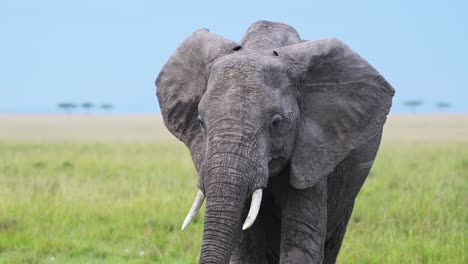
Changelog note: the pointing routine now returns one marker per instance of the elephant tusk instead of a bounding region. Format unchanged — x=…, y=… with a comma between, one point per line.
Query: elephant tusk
x=197, y=203
x=254, y=208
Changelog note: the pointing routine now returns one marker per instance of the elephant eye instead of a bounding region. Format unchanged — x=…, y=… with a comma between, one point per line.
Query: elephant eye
x=276, y=121
x=200, y=120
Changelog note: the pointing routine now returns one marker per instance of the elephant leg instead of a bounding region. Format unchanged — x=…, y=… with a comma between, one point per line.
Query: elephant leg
x=344, y=185
x=335, y=238
x=304, y=224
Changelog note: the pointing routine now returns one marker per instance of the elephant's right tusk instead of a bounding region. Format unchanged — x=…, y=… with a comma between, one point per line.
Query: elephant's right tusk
x=254, y=208
x=194, y=210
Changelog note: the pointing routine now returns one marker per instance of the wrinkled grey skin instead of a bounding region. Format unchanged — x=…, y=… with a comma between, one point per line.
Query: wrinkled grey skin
x=300, y=119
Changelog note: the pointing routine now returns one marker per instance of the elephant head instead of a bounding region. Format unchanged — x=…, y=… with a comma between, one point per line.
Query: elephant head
x=249, y=110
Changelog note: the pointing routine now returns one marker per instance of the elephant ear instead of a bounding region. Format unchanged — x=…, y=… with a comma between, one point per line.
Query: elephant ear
x=344, y=103
x=182, y=82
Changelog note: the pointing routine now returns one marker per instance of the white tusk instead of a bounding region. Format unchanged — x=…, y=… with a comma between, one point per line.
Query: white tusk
x=254, y=208
x=194, y=210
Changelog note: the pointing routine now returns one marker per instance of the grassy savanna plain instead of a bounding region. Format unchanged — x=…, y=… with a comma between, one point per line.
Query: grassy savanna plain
x=116, y=188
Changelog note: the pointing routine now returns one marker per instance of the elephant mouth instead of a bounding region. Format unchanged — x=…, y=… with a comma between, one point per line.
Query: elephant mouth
x=276, y=164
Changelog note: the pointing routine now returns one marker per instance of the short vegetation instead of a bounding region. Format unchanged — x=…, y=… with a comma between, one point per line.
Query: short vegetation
x=119, y=200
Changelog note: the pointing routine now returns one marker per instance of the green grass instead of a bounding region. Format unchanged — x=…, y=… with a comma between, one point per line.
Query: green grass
x=108, y=202
x=94, y=203
x=412, y=208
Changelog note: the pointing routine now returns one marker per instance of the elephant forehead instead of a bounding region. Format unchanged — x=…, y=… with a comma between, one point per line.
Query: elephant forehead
x=240, y=101
x=244, y=86
x=247, y=72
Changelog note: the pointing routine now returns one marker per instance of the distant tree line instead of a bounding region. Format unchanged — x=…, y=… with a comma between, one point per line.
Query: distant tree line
x=69, y=107
x=414, y=104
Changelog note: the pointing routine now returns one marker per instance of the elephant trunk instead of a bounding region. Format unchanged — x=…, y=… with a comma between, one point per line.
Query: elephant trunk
x=230, y=178
x=223, y=221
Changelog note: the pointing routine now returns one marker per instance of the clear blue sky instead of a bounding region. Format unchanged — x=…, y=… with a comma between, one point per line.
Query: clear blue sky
x=111, y=51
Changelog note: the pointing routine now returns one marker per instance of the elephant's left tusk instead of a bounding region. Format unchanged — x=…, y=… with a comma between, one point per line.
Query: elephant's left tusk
x=194, y=210
x=254, y=208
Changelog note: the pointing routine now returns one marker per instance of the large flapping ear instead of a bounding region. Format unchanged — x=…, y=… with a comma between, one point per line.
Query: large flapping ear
x=182, y=82
x=344, y=104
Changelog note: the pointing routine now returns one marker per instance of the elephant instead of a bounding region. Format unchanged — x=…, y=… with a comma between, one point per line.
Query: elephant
x=282, y=133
